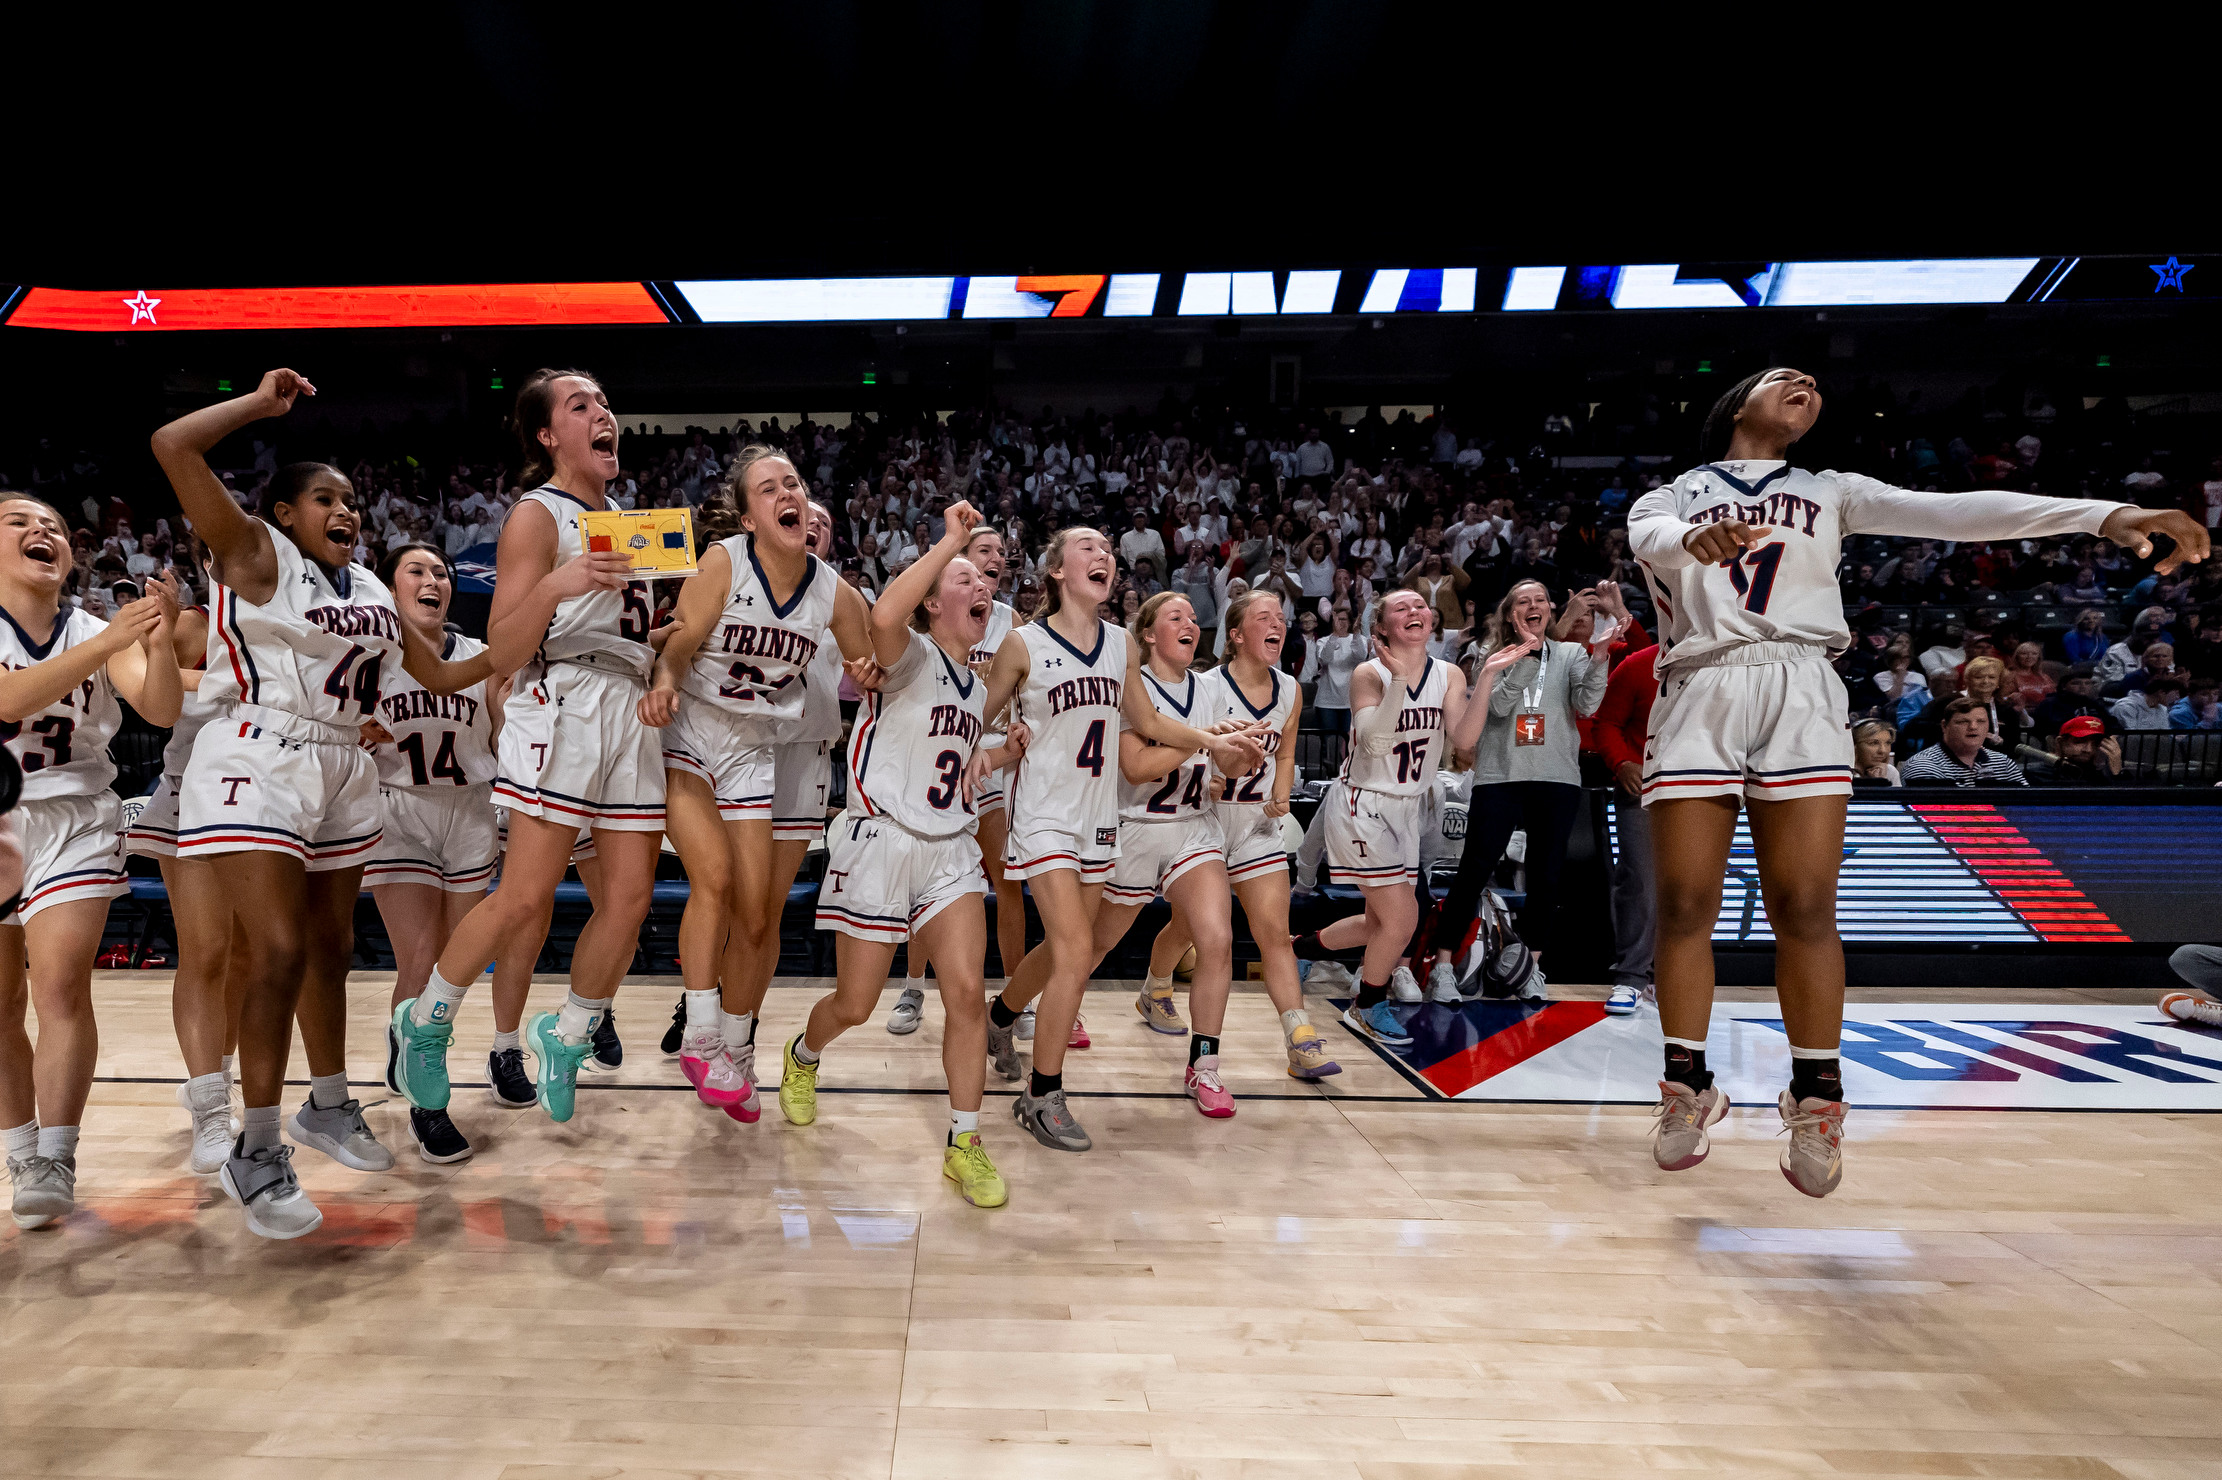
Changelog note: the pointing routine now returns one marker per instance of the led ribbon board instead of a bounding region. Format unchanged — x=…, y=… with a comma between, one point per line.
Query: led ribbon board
x=453, y=306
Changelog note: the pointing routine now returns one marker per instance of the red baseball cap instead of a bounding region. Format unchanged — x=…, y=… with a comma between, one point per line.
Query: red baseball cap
x=2083, y=726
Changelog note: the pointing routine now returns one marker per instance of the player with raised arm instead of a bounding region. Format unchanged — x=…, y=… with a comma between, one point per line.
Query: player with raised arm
x=279, y=787
x=1408, y=710
x=984, y=548
x=1250, y=689
x=573, y=753
x=206, y=992
x=1741, y=555
x=1075, y=677
x=435, y=757
x=62, y=670
x=732, y=687
x=896, y=868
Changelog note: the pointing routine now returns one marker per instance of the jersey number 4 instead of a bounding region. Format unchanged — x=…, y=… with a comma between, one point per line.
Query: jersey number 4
x=1090, y=758
x=365, y=691
x=443, y=760
x=1759, y=587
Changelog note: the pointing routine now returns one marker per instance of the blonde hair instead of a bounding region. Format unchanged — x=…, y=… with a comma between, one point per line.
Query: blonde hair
x=920, y=619
x=1230, y=622
x=1992, y=666
x=1381, y=607
x=1146, y=618
x=721, y=511
x=1498, y=630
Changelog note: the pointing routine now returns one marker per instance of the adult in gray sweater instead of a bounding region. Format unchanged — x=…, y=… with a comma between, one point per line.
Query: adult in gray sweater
x=1527, y=767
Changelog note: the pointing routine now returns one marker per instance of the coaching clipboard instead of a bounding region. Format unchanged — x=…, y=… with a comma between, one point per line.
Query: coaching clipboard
x=661, y=541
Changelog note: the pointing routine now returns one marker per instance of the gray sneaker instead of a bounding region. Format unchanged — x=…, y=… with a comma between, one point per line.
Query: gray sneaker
x=265, y=1185
x=1684, y=1114
x=1814, y=1159
x=908, y=1009
x=340, y=1134
x=1025, y=1025
x=1003, y=1051
x=1049, y=1121
x=45, y=1189
x=212, y=1132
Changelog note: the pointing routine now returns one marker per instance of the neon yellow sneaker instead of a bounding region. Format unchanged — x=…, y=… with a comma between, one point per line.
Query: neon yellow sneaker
x=798, y=1086
x=967, y=1165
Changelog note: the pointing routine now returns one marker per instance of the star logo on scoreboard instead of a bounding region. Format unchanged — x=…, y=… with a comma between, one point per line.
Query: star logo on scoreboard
x=2171, y=273
x=141, y=306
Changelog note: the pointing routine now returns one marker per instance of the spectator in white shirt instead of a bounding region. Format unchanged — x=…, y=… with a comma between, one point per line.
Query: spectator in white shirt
x=1314, y=458
x=1142, y=543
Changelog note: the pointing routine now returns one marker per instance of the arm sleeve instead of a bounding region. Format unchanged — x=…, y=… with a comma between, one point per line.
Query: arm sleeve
x=1375, y=729
x=1656, y=532
x=1586, y=680
x=1873, y=507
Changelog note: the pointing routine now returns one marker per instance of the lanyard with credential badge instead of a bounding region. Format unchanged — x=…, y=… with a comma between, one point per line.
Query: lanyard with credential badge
x=1527, y=723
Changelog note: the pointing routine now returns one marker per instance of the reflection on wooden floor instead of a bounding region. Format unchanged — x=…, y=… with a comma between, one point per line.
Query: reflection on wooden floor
x=1346, y=1283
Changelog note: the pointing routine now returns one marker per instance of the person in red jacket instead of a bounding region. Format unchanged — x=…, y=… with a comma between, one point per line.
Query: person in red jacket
x=1619, y=729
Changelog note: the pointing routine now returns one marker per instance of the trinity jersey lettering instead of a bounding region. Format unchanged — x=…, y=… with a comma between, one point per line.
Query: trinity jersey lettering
x=440, y=741
x=1186, y=790
x=323, y=647
x=753, y=666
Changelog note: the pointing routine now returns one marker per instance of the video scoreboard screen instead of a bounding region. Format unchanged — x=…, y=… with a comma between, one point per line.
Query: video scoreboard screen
x=1997, y=867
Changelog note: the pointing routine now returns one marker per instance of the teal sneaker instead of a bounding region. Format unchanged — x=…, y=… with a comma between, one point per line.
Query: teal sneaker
x=557, y=1083
x=420, y=1057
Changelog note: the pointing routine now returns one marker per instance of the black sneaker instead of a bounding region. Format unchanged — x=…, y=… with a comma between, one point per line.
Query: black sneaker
x=608, y=1052
x=512, y=1086
x=678, y=1028
x=393, y=1059
x=437, y=1137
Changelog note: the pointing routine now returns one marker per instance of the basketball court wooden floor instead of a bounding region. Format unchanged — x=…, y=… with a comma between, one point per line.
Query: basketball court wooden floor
x=1350, y=1282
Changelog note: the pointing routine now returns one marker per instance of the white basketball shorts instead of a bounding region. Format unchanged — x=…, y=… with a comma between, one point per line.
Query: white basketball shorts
x=443, y=838
x=1373, y=837
x=802, y=773
x=1153, y=854
x=883, y=882
x=741, y=773
x=1770, y=721
x=573, y=750
x=153, y=833
x=263, y=781
x=72, y=850
x=1255, y=842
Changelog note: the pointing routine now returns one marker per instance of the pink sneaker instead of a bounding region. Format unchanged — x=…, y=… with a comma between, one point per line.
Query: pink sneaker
x=742, y=1064
x=1079, y=1038
x=1203, y=1086
x=697, y=1050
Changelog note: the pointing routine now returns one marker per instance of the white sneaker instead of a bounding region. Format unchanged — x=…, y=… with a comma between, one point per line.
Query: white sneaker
x=1404, y=987
x=1442, y=984
x=1622, y=1000
x=264, y=1184
x=1023, y=1029
x=212, y=1133
x=908, y=1009
x=2188, y=1007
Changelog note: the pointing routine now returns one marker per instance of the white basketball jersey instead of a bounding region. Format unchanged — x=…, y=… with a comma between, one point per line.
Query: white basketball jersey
x=322, y=647
x=912, y=740
x=1785, y=590
x=1254, y=788
x=63, y=749
x=1069, y=778
x=201, y=705
x=821, y=698
x=1409, y=767
x=1186, y=790
x=1000, y=621
x=753, y=664
x=441, y=741
x=602, y=629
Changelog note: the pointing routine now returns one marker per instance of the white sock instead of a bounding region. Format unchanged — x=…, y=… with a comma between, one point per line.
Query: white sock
x=258, y=1129
x=204, y=1090
x=1694, y=1045
x=504, y=1042
x=231, y=1068
x=961, y=1121
x=328, y=1091
x=703, y=1008
x=580, y=1017
x=738, y=1029
x=57, y=1140
x=804, y=1053
x=1294, y=1018
x=438, y=1002
x=1155, y=986
x=22, y=1140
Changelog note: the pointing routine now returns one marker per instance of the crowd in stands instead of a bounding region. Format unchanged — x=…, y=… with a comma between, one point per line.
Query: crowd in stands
x=2025, y=642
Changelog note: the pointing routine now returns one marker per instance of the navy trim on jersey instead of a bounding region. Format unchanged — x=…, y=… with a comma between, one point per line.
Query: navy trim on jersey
x=1747, y=489
x=1255, y=712
x=1092, y=654
x=1425, y=674
x=447, y=649
x=1167, y=694
x=794, y=599
x=963, y=678
x=236, y=640
x=37, y=650
x=574, y=498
